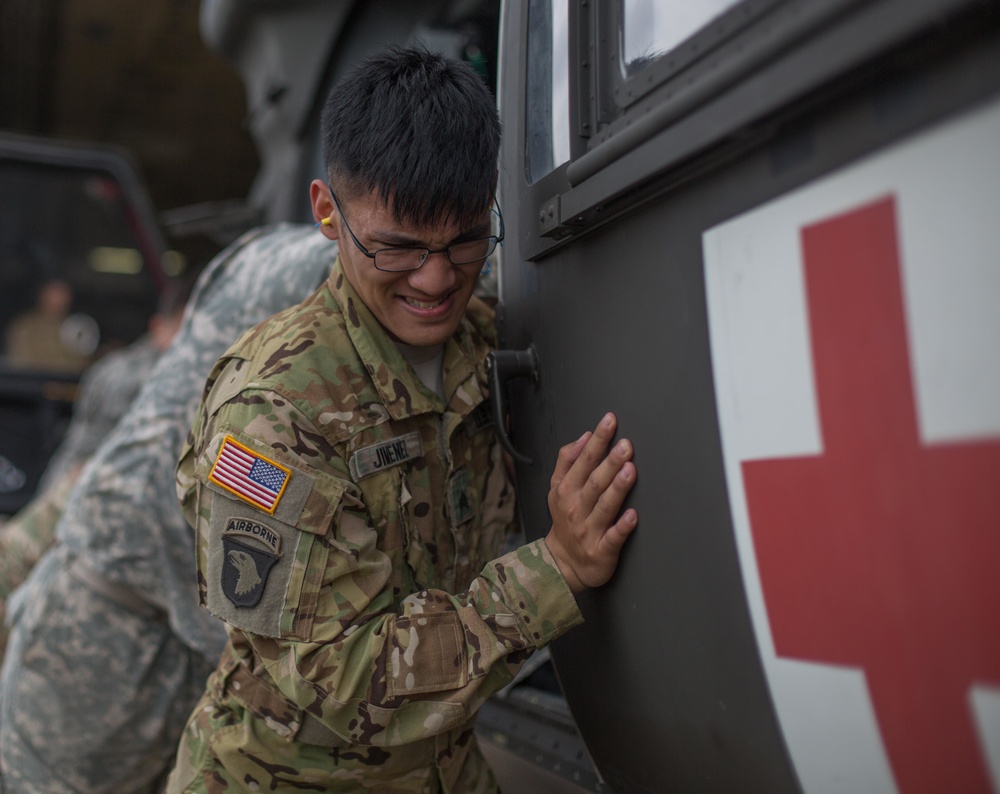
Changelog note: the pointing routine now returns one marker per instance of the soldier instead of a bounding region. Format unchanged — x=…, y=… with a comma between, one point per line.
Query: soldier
x=108, y=649
x=107, y=389
x=349, y=494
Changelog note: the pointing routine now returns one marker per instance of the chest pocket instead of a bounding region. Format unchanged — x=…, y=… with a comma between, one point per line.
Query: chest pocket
x=266, y=541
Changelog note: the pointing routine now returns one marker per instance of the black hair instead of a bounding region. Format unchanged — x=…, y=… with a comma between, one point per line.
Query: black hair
x=421, y=129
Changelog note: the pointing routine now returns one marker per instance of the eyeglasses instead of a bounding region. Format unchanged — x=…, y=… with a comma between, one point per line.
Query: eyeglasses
x=399, y=259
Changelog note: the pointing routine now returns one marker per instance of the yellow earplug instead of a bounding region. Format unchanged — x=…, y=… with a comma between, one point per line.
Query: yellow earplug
x=324, y=222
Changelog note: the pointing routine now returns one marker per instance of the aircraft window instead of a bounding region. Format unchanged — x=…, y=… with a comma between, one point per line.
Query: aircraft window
x=548, y=137
x=651, y=28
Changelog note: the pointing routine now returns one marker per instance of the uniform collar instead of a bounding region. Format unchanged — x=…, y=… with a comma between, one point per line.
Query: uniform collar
x=400, y=389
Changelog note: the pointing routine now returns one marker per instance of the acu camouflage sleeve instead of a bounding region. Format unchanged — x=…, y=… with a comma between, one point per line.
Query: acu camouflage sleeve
x=331, y=629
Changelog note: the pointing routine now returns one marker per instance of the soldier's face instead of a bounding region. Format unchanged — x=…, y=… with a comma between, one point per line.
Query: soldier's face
x=418, y=307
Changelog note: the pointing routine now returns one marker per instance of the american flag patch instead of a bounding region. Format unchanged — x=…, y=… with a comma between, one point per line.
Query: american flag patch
x=252, y=477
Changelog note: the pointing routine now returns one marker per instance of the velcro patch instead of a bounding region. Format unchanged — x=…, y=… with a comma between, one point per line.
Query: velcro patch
x=252, y=477
x=385, y=454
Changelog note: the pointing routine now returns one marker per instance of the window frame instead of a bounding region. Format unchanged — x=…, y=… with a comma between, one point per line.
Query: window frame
x=755, y=59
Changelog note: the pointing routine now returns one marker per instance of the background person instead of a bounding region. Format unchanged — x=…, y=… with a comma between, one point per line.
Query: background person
x=106, y=390
x=108, y=648
x=36, y=339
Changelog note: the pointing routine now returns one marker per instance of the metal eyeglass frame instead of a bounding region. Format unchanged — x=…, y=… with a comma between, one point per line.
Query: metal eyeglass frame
x=497, y=239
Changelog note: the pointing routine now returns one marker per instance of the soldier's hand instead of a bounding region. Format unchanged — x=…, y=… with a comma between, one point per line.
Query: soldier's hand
x=586, y=494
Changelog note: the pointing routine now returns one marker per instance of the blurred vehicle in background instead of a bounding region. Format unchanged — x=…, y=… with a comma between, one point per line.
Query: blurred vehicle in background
x=82, y=262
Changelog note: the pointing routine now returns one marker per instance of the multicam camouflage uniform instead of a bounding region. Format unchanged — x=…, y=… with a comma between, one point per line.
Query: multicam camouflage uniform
x=339, y=504
x=107, y=389
x=109, y=650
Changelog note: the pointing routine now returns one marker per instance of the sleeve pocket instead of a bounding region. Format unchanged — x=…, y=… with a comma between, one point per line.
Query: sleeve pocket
x=426, y=654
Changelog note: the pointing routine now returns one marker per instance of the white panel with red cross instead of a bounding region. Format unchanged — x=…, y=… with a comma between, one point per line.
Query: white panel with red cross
x=855, y=331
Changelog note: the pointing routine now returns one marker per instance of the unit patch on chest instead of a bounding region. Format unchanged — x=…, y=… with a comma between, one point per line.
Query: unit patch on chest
x=385, y=454
x=251, y=549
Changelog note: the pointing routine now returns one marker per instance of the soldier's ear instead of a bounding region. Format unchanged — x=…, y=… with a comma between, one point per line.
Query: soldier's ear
x=323, y=209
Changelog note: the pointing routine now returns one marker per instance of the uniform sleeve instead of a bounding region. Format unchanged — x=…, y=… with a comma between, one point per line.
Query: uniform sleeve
x=327, y=628
x=91, y=422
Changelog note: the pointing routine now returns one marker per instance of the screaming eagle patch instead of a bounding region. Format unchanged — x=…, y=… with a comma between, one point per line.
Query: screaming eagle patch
x=251, y=549
x=252, y=477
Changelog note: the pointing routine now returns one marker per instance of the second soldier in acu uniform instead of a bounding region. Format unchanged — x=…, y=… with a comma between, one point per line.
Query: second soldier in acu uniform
x=348, y=491
x=109, y=649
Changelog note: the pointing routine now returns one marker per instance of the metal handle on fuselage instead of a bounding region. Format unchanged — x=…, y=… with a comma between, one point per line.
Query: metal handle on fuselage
x=502, y=365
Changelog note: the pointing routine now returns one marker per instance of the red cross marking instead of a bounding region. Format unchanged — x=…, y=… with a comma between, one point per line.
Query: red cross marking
x=882, y=552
